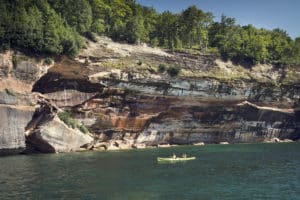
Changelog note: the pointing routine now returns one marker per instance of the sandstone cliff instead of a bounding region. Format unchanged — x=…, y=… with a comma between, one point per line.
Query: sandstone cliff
x=125, y=100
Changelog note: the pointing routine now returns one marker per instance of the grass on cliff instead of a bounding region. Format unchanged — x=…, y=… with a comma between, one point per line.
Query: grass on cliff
x=71, y=122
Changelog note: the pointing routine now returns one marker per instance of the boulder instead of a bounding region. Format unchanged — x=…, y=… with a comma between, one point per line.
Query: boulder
x=55, y=136
x=112, y=146
x=199, y=144
x=286, y=140
x=99, y=149
x=272, y=140
x=100, y=145
x=163, y=145
x=139, y=146
x=124, y=144
x=223, y=142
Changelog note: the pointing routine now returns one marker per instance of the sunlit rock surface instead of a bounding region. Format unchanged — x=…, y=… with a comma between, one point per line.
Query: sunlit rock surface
x=118, y=92
x=55, y=136
x=13, y=122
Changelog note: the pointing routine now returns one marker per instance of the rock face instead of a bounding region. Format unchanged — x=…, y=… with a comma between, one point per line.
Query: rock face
x=153, y=109
x=13, y=122
x=16, y=100
x=125, y=100
x=55, y=136
x=214, y=122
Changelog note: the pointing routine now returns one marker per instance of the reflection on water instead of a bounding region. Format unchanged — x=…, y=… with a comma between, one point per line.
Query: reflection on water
x=259, y=171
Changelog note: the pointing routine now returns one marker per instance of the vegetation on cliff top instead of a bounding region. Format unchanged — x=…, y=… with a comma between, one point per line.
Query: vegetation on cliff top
x=54, y=27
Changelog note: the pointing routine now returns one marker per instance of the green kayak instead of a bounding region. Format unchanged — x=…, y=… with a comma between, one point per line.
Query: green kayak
x=175, y=159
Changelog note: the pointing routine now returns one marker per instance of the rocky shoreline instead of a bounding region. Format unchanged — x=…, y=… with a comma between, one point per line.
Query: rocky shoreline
x=121, y=145
x=115, y=96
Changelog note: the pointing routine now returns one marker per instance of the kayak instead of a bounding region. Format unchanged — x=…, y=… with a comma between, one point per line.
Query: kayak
x=174, y=159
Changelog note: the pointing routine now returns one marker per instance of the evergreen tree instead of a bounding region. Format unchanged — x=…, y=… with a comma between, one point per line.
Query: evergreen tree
x=54, y=27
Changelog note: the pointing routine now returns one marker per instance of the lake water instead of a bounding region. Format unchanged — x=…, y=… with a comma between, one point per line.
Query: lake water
x=256, y=171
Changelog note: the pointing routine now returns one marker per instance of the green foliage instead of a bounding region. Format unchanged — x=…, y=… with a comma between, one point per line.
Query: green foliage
x=70, y=122
x=249, y=44
x=48, y=61
x=213, y=50
x=77, y=13
x=14, y=60
x=162, y=68
x=55, y=27
x=35, y=26
x=83, y=129
x=173, y=70
x=91, y=36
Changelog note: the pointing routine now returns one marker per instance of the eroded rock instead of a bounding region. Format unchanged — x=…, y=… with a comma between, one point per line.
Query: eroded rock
x=55, y=136
x=14, y=120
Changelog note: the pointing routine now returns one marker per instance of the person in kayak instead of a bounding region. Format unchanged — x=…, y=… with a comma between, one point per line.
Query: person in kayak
x=184, y=155
x=174, y=156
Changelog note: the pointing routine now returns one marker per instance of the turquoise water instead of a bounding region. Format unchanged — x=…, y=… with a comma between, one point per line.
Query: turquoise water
x=256, y=171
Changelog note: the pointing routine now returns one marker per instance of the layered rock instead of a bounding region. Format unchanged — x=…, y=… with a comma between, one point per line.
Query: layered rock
x=125, y=101
x=13, y=120
x=220, y=121
x=17, y=104
x=211, y=101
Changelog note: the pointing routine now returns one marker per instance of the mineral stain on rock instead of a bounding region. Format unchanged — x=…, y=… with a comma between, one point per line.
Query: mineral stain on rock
x=125, y=104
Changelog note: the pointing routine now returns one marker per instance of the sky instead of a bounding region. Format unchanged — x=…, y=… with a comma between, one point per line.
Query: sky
x=269, y=14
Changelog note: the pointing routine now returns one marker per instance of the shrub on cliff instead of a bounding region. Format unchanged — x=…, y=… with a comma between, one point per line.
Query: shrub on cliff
x=14, y=61
x=83, y=129
x=48, y=61
x=70, y=122
x=173, y=70
x=162, y=68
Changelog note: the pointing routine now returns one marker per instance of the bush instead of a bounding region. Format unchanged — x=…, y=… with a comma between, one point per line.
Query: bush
x=70, y=122
x=83, y=129
x=91, y=36
x=14, y=60
x=174, y=70
x=213, y=50
x=48, y=61
x=162, y=68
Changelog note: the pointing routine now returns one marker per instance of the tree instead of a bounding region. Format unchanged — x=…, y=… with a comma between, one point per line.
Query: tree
x=116, y=18
x=56, y=27
x=52, y=27
x=167, y=29
x=99, y=9
x=280, y=45
x=135, y=31
x=5, y=26
x=195, y=23
x=77, y=13
x=150, y=19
